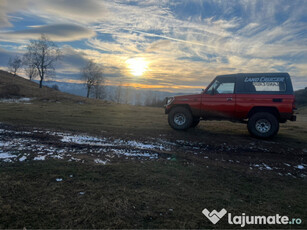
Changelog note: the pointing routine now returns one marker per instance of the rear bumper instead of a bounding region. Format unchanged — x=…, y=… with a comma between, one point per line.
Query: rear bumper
x=293, y=118
x=288, y=116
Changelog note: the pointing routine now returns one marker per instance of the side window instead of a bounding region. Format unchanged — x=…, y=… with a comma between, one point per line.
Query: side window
x=222, y=86
x=270, y=86
x=213, y=87
x=262, y=84
x=225, y=88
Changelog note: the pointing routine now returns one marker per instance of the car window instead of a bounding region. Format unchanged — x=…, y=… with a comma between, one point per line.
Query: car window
x=270, y=86
x=213, y=86
x=225, y=88
x=263, y=84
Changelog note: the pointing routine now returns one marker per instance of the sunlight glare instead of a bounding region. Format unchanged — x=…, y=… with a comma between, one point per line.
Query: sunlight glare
x=137, y=66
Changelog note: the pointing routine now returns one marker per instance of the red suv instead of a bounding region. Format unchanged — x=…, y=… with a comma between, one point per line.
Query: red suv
x=263, y=100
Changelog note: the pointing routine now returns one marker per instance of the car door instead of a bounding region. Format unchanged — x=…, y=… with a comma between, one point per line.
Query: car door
x=218, y=101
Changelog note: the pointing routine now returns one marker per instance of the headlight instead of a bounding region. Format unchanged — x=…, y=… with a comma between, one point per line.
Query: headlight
x=169, y=100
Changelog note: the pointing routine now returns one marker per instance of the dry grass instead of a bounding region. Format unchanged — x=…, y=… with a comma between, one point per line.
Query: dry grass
x=11, y=87
x=134, y=195
x=161, y=194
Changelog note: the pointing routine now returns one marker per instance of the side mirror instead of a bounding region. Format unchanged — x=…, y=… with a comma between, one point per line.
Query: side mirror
x=202, y=90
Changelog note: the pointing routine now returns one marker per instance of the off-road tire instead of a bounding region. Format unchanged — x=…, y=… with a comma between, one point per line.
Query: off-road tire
x=263, y=125
x=180, y=118
x=195, y=122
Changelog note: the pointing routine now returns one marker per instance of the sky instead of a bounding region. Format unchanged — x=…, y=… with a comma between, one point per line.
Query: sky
x=173, y=45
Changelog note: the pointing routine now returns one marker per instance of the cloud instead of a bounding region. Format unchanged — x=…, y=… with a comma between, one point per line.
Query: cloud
x=79, y=11
x=55, y=11
x=186, y=43
x=58, y=32
x=158, y=45
x=7, y=7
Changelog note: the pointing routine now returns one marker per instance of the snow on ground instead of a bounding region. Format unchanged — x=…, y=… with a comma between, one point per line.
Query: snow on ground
x=40, y=145
x=72, y=147
x=24, y=100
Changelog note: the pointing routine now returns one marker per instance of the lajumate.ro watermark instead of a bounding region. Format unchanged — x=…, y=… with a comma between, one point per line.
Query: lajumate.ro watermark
x=244, y=219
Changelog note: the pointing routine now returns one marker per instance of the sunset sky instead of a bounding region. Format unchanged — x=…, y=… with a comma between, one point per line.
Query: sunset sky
x=164, y=45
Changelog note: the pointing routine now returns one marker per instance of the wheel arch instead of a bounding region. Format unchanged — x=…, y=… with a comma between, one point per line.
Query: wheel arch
x=180, y=105
x=273, y=110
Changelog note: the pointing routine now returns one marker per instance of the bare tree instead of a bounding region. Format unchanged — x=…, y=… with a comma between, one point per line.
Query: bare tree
x=99, y=90
x=30, y=69
x=14, y=64
x=92, y=75
x=118, y=93
x=42, y=55
x=127, y=95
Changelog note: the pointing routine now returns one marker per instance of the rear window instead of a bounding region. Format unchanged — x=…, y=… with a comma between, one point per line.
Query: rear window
x=263, y=84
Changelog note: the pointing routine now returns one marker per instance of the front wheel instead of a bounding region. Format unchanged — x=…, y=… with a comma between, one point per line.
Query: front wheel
x=180, y=118
x=263, y=125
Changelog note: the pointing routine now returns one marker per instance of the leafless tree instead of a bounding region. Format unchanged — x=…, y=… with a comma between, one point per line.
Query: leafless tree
x=100, y=91
x=138, y=100
x=30, y=69
x=42, y=55
x=118, y=93
x=14, y=64
x=127, y=95
x=93, y=78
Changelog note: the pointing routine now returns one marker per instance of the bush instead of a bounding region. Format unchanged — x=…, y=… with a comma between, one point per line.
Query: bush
x=55, y=87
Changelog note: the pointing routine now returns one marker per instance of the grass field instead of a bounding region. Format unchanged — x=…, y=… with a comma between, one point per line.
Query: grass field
x=213, y=166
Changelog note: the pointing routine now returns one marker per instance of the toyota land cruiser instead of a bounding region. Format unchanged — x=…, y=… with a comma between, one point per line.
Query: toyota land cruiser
x=263, y=100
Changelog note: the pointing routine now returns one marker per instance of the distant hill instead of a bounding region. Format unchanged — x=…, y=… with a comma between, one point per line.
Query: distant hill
x=14, y=87
x=301, y=97
x=129, y=95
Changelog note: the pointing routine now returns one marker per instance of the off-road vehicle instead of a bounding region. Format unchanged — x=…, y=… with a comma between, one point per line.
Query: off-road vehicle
x=262, y=100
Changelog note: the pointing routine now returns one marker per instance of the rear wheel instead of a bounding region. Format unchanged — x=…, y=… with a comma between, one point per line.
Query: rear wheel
x=180, y=118
x=195, y=122
x=263, y=125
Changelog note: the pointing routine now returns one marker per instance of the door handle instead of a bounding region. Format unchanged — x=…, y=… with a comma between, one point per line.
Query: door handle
x=229, y=99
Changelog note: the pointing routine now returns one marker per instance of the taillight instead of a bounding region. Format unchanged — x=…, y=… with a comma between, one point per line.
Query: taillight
x=293, y=104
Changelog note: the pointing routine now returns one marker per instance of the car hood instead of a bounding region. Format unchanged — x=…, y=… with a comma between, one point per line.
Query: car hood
x=187, y=97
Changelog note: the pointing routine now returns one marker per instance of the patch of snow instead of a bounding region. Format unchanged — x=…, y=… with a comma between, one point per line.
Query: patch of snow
x=81, y=193
x=56, y=156
x=135, y=153
x=23, y=158
x=59, y=179
x=99, y=161
x=85, y=140
x=287, y=164
x=300, y=167
x=267, y=167
x=39, y=158
x=140, y=145
x=6, y=155
x=24, y=100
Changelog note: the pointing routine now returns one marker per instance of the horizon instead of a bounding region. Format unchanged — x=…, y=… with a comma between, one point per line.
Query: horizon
x=170, y=46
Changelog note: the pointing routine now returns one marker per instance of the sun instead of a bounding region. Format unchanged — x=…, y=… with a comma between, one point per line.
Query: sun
x=137, y=66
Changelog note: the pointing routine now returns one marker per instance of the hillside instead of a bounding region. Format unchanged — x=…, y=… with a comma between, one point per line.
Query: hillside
x=301, y=97
x=15, y=87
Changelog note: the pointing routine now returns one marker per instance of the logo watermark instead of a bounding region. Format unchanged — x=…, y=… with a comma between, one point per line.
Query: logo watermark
x=214, y=216
x=244, y=219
